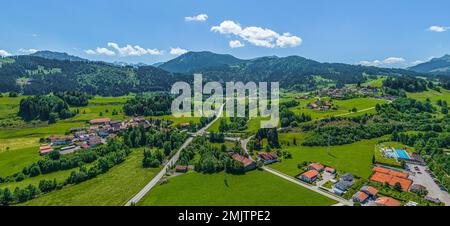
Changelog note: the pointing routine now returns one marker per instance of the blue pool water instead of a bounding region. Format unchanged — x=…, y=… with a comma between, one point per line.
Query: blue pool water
x=402, y=154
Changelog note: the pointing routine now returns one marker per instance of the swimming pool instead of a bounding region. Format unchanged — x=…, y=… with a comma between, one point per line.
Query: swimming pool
x=402, y=153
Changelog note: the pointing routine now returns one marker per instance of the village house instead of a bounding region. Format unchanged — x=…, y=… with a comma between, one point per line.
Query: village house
x=69, y=149
x=181, y=168
x=360, y=197
x=100, y=121
x=330, y=170
x=267, y=158
x=370, y=191
x=316, y=166
x=309, y=176
x=387, y=201
x=248, y=163
x=345, y=182
x=45, y=149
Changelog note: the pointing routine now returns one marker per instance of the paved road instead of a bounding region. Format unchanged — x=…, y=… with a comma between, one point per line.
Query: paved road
x=340, y=200
x=170, y=163
x=307, y=186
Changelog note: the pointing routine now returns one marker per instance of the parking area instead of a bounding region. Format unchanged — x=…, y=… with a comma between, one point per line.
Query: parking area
x=422, y=177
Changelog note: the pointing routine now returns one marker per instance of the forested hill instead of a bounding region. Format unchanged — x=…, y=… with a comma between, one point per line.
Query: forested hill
x=197, y=61
x=296, y=72
x=57, y=56
x=35, y=75
x=42, y=75
x=440, y=66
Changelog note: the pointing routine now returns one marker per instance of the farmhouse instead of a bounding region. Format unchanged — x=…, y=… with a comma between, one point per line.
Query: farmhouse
x=248, y=163
x=43, y=150
x=387, y=201
x=316, y=166
x=181, y=168
x=69, y=149
x=345, y=182
x=267, y=158
x=370, y=191
x=309, y=176
x=100, y=121
x=360, y=197
x=330, y=170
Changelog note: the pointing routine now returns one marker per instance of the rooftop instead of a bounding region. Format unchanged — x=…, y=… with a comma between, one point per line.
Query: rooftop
x=310, y=174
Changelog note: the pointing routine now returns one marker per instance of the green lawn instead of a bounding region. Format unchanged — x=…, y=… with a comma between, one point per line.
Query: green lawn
x=343, y=107
x=13, y=161
x=114, y=188
x=19, y=144
x=256, y=188
x=354, y=158
x=433, y=95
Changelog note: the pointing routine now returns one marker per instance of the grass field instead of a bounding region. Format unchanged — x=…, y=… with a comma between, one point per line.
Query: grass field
x=256, y=188
x=354, y=158
x=19, y=145
x=343, y=107
x=433, y=95
x=13, y=161
x=114, y=188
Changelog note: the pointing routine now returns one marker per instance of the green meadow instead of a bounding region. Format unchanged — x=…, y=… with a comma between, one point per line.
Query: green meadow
x=355, y=158
x=255, y=188
x=433, y=95
x=113, y=188
x=344, y=107
x=19, y=144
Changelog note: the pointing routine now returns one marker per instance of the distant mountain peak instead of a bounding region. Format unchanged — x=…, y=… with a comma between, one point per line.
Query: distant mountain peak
x=194, y=61
x=56, y=56
x=440, y=66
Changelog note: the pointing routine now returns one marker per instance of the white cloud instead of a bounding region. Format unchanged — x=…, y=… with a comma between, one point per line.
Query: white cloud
x=199, y=18
x=227, y=27
x=100, y=51
x=105, y=51
x=393, y=60
x=438, y=29
x=257, y=36
x=370, y=63
x=90, y=52
x=27, y=51
x=128, y=50
x=4, y=53
x=136, y=50
x=177, y=51
x=236, y=44
x=287, y=40
x=387, y=61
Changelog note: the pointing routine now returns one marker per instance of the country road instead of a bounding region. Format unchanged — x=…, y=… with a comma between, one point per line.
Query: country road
x=307, y=186
x=171, y=162
x=295, y=181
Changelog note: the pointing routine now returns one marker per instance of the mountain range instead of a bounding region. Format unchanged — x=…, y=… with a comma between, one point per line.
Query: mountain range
x=45, y=72
x=440, y=66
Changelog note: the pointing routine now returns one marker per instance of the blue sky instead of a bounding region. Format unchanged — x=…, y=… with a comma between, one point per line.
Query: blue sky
x=378, y=32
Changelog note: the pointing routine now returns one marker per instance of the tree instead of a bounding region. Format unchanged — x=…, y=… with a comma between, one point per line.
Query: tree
x=223, y=126
x=54, y=155
x=6, y=197
x=167, y=146
x=398, y=186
